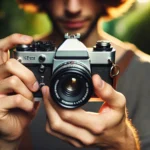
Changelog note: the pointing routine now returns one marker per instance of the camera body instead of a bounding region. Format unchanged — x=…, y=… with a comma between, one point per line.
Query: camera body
x=68, y=69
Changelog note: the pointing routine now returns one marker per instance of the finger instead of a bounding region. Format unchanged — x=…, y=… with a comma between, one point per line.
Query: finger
x=85, y=120
x=13, y=67
x=4, y=56
x=108, y=94
x=14, y=39
x=10, y=42
x=90, y=121
x=36, y=105
x=14, y=84
x=96, y=123
x=63, y=137
x=16, y=101
x=67, y=129
x=14, y=123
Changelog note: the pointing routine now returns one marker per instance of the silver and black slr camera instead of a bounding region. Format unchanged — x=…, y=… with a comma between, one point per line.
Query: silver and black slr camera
x=68, y=69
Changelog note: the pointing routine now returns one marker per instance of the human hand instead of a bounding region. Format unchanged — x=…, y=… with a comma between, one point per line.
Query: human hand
x=17, y=109
x=108, y=129
x=11, y=41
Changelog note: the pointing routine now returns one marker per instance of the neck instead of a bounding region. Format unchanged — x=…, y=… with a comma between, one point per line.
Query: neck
x=91, y=40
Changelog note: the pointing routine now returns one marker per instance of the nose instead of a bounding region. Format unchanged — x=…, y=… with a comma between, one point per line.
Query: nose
x=73, y=7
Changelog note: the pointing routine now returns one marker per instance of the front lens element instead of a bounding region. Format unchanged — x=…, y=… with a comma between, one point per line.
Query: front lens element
x=71, y=86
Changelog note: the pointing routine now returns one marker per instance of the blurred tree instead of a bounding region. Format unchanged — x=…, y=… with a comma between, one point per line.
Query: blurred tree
x=133, y=27
x=13, y=20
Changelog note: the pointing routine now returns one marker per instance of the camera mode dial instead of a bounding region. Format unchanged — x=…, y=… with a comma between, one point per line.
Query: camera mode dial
x=37, y=46
x=22, y=47
x=49, y=46
x=102, y=45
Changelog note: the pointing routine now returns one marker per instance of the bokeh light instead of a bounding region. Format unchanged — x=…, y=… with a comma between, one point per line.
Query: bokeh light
x=143, y=1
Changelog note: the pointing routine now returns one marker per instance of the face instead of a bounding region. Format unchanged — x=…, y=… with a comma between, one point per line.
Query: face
x=74, y=16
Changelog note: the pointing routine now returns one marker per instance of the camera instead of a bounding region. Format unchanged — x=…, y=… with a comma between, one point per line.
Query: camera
x=68, y=69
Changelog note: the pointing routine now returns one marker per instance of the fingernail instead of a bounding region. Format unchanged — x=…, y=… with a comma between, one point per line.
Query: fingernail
x=36, y=86
x=44, y=90
x=26, y=38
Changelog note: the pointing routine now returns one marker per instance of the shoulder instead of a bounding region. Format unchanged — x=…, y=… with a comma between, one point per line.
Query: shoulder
x=137, y=71
x=140, y=63
x=141, y=56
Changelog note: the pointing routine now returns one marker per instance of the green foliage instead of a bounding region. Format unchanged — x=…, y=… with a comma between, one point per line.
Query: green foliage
x=134, y=27
x=15, y=20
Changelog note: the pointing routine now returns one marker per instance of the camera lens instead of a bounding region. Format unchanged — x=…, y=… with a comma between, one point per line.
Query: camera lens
x=71, y=88
x=71, y=85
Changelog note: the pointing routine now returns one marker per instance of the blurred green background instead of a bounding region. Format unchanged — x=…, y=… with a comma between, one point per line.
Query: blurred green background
x=133, y=27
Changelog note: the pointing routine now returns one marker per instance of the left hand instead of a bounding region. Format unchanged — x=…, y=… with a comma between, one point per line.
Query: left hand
x=80, y=128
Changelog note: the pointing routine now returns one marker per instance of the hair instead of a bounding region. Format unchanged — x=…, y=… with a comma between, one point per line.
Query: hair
x=111, y=8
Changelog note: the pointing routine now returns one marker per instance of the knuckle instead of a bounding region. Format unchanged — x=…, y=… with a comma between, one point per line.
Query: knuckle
x=66, y=115
x=98, y=129
x=122, y=102
x=55, y=126
x=10, y=63
x=88, y=141
x=15, y=36
x=107, y=93
x=13, y=80
x=18, y=99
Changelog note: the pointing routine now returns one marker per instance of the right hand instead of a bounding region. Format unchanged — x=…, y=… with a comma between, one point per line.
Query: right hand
x=17, y=109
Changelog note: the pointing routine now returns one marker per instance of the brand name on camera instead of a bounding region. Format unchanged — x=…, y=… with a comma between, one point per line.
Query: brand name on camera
x=28, y=58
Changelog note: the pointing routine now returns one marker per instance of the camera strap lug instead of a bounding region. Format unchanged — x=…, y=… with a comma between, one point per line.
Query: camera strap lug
x=114, y=70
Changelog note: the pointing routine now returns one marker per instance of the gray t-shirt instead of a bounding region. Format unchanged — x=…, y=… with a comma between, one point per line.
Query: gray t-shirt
x=134, y=84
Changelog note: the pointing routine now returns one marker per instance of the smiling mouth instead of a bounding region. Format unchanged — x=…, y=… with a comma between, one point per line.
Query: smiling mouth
x=73, y=24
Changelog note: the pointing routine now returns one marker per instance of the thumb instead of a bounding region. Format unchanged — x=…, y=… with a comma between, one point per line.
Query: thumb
x=106, y=92
x=46, y=95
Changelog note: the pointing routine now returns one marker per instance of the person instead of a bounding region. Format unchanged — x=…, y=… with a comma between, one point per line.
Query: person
x=108, y=129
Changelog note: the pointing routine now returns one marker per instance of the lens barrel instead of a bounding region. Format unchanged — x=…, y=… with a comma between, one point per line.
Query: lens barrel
x=71, y=85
